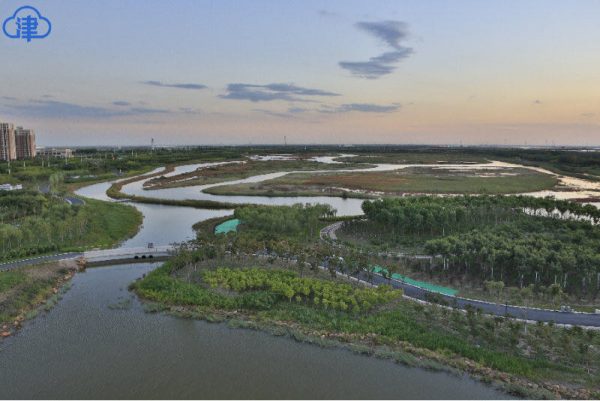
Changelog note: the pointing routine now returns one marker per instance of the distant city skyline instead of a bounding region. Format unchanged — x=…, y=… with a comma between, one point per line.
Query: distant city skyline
x=121, y=72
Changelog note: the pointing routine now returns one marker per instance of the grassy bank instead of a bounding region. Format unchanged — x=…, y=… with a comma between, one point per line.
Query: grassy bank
x=542, y=361
x=115, y=192
x=247, y=168
x=409, y=180
x=26, y=291
x=36, y=224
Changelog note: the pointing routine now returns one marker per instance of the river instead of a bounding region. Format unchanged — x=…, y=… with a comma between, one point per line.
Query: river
x=98, y=342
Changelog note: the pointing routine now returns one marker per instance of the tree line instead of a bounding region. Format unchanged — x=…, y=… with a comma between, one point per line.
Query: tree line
x=272, y=222
x=506, y=238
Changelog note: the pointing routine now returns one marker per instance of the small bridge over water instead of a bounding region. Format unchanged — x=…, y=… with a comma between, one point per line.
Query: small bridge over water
x=111, y=256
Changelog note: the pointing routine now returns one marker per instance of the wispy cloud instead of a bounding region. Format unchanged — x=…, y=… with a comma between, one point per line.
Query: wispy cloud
x=270, y=92
x=58, y=109
x=368, y=108
x=392, y=34
x=295, y=112
x=121, y=103
x=327, y=13
x=360, y=107
x=275, y=113
x=160, y=84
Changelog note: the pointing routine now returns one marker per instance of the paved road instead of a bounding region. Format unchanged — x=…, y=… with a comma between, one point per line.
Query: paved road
x=544, y=315
x=39, y=259
x=329, y=231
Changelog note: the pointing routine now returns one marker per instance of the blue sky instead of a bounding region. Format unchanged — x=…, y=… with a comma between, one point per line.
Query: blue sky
x=121, y=72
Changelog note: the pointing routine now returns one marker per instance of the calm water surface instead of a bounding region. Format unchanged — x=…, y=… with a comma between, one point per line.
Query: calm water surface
x=99, y=343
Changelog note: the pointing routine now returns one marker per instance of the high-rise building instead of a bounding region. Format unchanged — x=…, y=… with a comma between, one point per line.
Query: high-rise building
x=24, y=143
x=8, y=150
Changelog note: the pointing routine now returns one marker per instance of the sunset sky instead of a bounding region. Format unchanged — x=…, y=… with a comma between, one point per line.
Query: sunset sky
x=238, y=72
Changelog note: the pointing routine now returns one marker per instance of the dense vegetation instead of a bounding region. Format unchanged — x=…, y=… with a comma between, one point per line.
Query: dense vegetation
x=271, y=222
x=192, y=284
x=33, y=223
x=255, y=288
x=509, y=239
x=285, y=283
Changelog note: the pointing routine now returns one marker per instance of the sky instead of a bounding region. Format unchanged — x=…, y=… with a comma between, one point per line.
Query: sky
x=120, y=72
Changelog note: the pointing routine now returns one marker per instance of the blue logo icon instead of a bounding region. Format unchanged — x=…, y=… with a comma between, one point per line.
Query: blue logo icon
x=27, y=23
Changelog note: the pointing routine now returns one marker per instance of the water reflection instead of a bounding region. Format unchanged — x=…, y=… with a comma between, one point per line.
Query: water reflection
x=99, y=343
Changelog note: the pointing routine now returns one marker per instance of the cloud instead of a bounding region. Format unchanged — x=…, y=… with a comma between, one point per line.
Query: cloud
x=391, y=33
x=327, y=13
x=189, y=110
x=297, y=110
x=11, y=25
x=175, y=85
x=294, y=112
x=57, y=109
x=362, y=107
x=121, y=103
x=147, y=110
x=270, y=92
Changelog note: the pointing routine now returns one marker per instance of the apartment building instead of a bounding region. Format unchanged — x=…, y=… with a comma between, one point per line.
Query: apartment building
x=8, y=150
x=24, y=143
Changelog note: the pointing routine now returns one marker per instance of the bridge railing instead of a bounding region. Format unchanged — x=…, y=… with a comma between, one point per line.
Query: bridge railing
x=128, y=252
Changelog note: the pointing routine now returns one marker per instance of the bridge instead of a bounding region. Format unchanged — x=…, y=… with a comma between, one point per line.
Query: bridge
x=104, y=256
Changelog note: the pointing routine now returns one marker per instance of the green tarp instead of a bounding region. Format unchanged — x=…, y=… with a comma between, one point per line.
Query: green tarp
x=421, y=284
x=227, y=226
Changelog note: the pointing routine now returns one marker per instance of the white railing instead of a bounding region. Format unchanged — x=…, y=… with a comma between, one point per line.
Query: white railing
x=108, y=254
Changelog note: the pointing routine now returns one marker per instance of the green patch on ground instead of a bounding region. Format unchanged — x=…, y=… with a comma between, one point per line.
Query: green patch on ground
x=11, y=279
x=421, y=284
x=227, y=226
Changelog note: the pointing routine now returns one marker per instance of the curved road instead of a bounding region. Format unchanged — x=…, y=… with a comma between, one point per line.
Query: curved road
x=543, y=315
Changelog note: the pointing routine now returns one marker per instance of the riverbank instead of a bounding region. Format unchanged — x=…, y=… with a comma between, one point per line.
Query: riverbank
x=114, y=191
x=500, y=351
x=46, y=225
x=241, y=169
x=27, y=291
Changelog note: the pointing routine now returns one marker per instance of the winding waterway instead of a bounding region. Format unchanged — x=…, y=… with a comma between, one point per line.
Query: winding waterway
x=571, y=187
x=99, y=343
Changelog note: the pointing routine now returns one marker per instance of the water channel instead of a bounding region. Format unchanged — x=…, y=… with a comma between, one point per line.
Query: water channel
x=99, y=343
